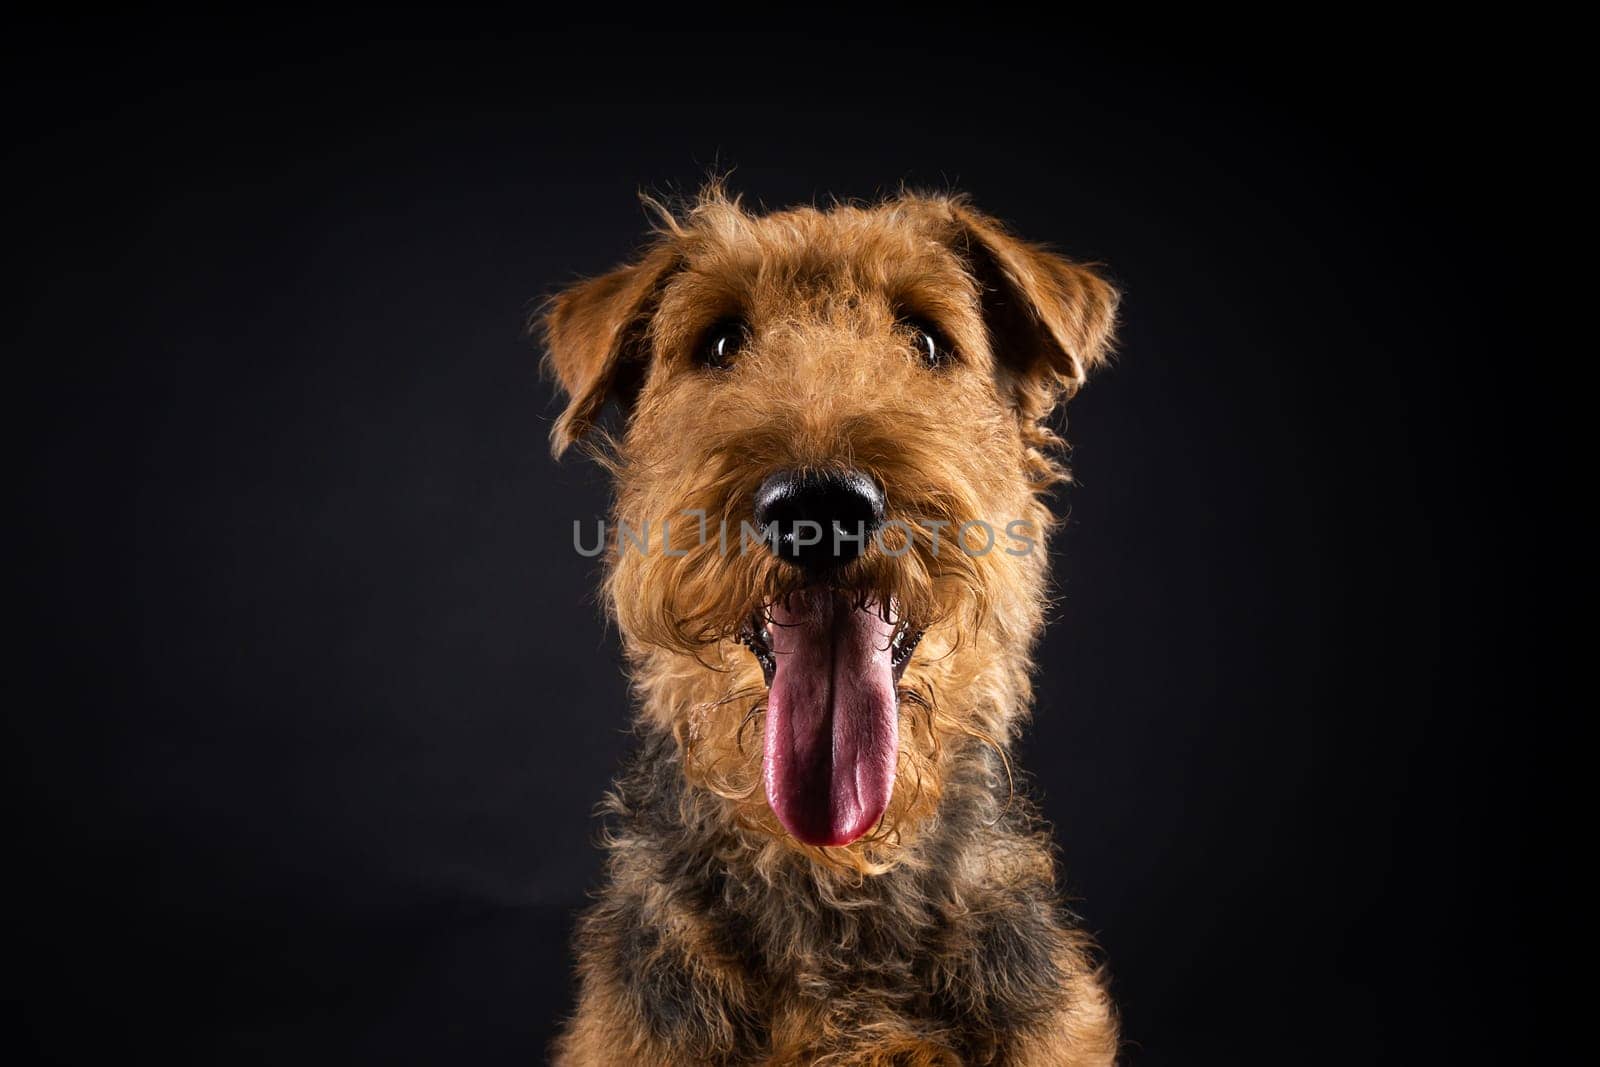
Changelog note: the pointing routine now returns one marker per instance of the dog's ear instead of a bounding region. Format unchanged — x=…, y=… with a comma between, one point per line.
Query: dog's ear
x=594, y=335
x=1050, y=320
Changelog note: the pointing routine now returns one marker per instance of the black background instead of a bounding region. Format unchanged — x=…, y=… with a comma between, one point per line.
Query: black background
x=315, y=698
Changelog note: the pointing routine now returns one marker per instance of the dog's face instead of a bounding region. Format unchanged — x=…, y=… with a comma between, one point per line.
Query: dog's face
x=827, y=560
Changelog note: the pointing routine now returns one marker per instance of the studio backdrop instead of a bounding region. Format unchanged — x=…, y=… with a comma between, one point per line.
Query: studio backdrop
x=317, y=699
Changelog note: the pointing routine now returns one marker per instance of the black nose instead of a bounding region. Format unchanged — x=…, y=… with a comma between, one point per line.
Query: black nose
x=819, y=520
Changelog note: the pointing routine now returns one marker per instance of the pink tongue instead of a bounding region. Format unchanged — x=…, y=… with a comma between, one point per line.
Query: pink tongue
x=832, y=729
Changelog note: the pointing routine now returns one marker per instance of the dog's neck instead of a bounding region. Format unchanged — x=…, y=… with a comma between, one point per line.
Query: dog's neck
x=962, y=932
x=658, y=810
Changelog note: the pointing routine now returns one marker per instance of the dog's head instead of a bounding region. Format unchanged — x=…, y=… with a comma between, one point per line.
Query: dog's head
x=826, y=559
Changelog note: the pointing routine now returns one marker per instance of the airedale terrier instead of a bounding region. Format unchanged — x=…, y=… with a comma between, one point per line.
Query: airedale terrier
x=828, y=575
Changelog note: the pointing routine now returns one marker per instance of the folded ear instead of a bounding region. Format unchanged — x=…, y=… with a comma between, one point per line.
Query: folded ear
x=594, y=334
x=1050, y=320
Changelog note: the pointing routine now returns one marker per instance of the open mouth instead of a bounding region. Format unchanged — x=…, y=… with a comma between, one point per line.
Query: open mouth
x=831, y=742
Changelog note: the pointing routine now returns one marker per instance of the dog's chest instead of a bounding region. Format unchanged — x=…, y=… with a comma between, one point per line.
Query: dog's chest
x=961, y=971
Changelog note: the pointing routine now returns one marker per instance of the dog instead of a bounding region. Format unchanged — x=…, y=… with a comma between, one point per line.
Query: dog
x=818, y=854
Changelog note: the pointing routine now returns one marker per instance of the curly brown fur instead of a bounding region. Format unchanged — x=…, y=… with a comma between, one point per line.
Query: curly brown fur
x=938, y=937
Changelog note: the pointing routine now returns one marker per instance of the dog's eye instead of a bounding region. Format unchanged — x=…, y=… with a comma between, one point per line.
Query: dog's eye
x=721, y=343
x=929, y=343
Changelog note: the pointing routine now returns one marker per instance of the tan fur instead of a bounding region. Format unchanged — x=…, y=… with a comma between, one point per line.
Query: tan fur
x=828, y=377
